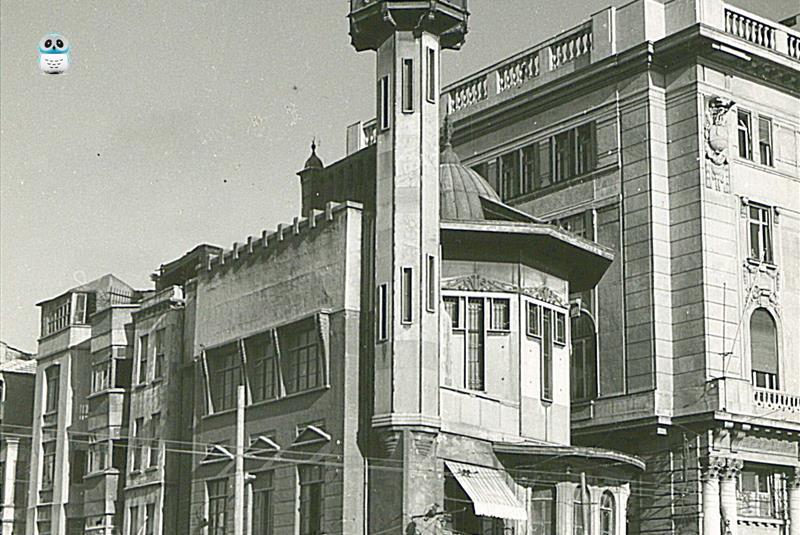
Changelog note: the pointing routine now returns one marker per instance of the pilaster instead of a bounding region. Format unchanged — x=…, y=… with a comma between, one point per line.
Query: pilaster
x=793, y=488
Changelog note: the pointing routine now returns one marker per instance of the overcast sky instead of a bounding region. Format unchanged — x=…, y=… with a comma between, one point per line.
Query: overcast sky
x=184, y=122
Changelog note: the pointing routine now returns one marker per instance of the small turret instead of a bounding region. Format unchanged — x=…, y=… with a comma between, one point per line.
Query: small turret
x=309, y=179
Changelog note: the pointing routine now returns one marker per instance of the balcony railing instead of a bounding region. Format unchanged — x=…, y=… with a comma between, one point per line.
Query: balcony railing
x=747, y=27
x=775, y=400
x=571, y=47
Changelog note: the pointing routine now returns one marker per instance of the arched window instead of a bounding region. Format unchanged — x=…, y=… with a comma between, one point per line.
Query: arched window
x=580, y=512
x=583, y=367
x=607, y=526
x=764, y=349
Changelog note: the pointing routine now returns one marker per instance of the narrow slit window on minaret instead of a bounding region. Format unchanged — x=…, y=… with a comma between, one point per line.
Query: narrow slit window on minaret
x=383, y=92
x=407, y=289
x=431, y=85
x=432, y=283
x=408, y=85
x=383, y=312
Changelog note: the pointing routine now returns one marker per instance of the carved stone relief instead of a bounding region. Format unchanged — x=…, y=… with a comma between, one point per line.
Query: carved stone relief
x=478, y=283
x=717, y=166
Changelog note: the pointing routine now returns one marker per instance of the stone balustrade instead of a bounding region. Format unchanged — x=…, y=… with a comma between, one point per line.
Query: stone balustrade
x=571, y=47
x=517, y=71
x=468, y=93
x=776, y=400
x=749, y=28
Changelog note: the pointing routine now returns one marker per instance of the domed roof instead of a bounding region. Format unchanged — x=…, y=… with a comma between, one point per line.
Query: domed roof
x=461, y=189
x=313, y=161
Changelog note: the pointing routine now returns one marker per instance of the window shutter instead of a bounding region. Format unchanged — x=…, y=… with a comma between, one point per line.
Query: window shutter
x=763, y=342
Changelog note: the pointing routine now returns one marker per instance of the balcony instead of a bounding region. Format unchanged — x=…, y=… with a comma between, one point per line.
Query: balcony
x=775, y=401
x=739, y=396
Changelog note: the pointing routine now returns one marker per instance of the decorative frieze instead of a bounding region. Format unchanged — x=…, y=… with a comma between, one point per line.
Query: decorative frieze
x=479, y=283
x=717, y=166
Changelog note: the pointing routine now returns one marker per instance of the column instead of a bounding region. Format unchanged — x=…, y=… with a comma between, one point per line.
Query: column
x=794, y=502
x=727, y=494
x=711, y=513
x=9, y=477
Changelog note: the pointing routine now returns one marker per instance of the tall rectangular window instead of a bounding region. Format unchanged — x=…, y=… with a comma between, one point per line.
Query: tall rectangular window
x=158, y=365
x=133, y=525
x=383, y=312
x=543, y=510
x=407, y=304
x=80, y=310
x=431, y=85
x=150, y=519
x=261, y=357
x=301, y=356
x=560, y=328
x=155, y=432
x=52, y=375
x=408, y=85
x=311, y=481
x=509, y=164
x=136, y=449
x=530, y=156
x=745, y=130
x=384, y=104
x=217, y=500
x=144, y=342
x=563, y=160
x=765, y=140
x=48, y=464
x=433, y=282
x=263, y=504
x=493, y=174
x=760, y=233
x=534, y=319
x=547, y=355
x=757, y=495
x=101, y=375
x=475, y=344
x=225, y=376
x=584, y=148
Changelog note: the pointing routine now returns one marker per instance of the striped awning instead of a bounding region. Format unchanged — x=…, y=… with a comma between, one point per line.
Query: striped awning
x=488, y=490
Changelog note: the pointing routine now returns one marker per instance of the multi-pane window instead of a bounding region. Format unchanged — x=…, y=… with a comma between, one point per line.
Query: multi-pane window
x=547, y=355
x=301, y=357
x=500, y=315
x=431, y=85
x=158, y=365
x=560, y=336
x=52, y=375
x=263, y=504
x=764, y=349
x=48, y=464
x=407, y=301
x=538, y=165
x=760, y=223
x=534, y=319
x=55, y=316
x=155, y=432
x=144, y=347
x=543, y=510
x=311, y=480
x=217, y=500
x=261, y=357
x=765, y=140
x=101, y=375
x=133, y=525
x=383, y=312
x=225, y=376
x=757, y=494
x=452, y=305
x=583, y=364
x=475, y=344
x=384, y=103
x=98, y=453
x=607, y=514
x=580, y=512
x=745, y=131
x=408, y=85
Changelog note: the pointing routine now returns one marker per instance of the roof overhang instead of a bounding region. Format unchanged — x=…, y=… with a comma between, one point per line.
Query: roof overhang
x=573, y=455
x=580, y=261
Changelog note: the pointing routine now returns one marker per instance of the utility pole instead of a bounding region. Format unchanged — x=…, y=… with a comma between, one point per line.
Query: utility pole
x=585, y=503
x=238, y=478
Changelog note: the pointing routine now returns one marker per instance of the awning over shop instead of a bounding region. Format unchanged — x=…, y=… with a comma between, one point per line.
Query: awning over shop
x=488, y=491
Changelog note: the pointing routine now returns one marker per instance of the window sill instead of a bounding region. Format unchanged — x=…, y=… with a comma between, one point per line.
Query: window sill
x=767, y=266
x=158, y=381
x=103, y=472
x=139, y=386
x=105, y=391
x=151, y=469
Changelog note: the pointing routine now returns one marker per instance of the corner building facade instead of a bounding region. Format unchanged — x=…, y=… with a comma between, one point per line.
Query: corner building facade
x=668, y=132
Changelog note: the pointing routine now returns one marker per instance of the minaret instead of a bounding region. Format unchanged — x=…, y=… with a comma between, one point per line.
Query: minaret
x=408, y=37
